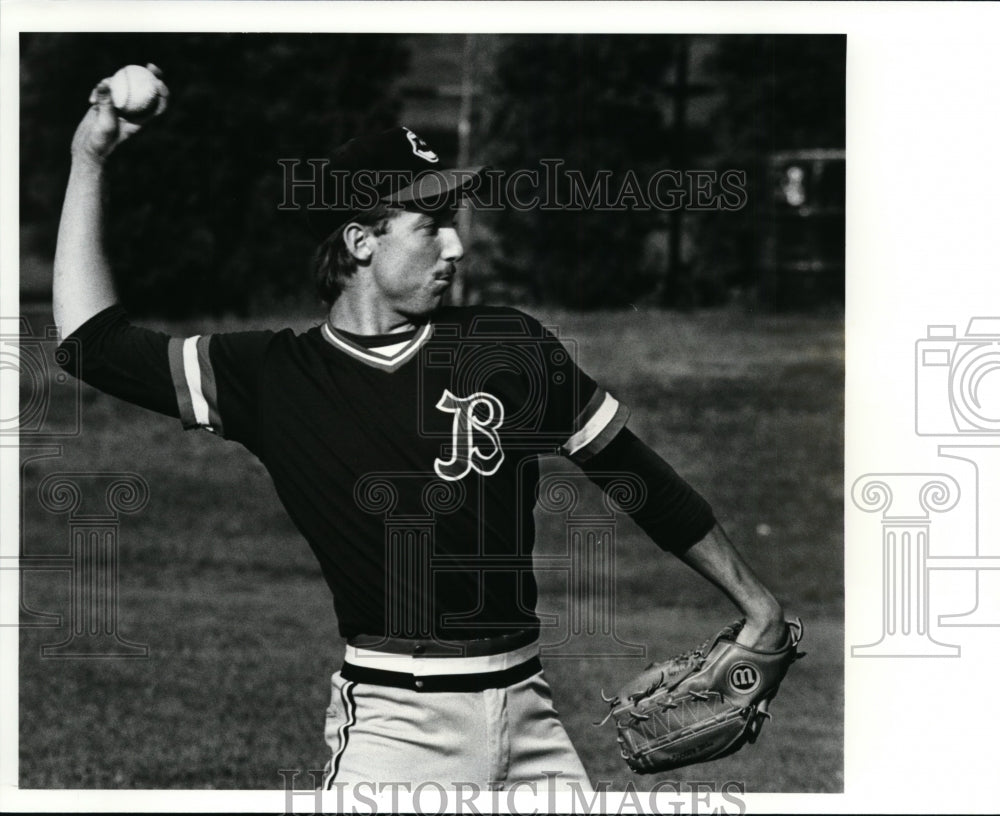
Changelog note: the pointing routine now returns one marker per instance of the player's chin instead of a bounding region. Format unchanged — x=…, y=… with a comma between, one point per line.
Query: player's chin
x=425, y=305
x=437, y=291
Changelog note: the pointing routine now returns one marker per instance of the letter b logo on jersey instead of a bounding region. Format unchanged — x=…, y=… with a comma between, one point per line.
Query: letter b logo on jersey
x=475, y=443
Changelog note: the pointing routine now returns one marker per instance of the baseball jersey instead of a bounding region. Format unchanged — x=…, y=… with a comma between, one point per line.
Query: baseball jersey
x=409, y=462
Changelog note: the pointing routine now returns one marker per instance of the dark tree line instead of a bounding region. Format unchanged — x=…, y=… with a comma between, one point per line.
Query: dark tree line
x=781, y=93
x=593, y=103
x=608, y=103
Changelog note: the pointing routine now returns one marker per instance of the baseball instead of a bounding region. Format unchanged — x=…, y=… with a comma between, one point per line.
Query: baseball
x=135, y=92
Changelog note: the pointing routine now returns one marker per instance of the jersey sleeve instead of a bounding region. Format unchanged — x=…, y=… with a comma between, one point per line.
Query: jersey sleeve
x=581, y=415
x=673, y=514
x=208, y=381
x=602, y=418
x=215, y=380
x=596, y=438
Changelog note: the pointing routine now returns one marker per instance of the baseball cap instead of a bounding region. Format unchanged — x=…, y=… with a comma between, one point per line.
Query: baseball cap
x=394, y=166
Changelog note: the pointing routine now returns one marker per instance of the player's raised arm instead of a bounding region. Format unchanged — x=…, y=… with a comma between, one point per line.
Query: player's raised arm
x=82, y=284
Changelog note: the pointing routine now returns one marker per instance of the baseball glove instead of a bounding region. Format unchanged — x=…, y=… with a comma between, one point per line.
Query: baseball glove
x=700, y=705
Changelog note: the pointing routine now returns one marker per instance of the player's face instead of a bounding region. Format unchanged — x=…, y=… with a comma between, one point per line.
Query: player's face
x=413, y=263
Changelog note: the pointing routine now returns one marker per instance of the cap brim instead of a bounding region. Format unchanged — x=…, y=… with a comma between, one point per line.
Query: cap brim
x=431, y=190
x=436, y=188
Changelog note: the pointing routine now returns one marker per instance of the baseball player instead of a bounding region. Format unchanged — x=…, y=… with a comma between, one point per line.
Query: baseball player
x=403, y=439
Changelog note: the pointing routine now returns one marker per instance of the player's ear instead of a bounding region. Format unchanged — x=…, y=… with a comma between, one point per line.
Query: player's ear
x=356, y=239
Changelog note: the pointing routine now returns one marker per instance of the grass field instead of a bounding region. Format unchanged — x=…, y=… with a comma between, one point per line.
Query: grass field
x=242, y=637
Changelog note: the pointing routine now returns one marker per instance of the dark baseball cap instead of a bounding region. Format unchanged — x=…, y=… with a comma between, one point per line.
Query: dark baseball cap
x=394, y=166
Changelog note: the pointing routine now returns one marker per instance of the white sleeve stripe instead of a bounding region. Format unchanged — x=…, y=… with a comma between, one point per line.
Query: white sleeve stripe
x=598, y=422
x=192, y=372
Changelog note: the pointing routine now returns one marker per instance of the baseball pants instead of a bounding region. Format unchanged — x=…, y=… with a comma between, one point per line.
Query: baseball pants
x=411, y=714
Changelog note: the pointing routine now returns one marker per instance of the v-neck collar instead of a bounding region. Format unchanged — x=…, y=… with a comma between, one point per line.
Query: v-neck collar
x=390, y=362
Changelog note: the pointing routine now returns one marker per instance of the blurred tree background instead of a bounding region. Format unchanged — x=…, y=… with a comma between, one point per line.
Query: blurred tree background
x=596, y=105
x=782, y=105
x=196, y=227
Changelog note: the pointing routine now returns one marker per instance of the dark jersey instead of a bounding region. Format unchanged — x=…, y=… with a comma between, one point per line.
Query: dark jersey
x=409, y=462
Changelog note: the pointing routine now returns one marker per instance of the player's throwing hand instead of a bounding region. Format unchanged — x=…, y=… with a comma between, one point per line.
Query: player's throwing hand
x=104, y=127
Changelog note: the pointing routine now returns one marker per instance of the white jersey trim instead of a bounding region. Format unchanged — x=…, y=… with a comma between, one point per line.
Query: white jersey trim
x=192, y=372
x=424, y=665
x=598, y=422
x=401, y=353
x=388, y=351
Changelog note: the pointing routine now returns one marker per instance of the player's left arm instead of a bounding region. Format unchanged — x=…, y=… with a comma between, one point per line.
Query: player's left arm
x=674, y=515
x=717, y=559
x=679, y=520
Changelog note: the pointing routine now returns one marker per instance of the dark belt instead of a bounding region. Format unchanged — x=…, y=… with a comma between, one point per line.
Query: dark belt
x=442, y=682
x=430, y=647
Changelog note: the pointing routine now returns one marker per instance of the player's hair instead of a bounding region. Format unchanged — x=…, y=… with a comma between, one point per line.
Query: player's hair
x=333, y=264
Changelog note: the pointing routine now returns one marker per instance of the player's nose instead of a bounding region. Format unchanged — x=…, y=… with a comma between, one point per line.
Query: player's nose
x=451, y=245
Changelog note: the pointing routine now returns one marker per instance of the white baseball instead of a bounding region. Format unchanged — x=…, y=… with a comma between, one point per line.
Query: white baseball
x=135, y=92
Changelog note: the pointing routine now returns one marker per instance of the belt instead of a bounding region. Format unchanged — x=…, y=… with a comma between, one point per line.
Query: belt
x=439, y=647
x=442, y=682
x=429, y=665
